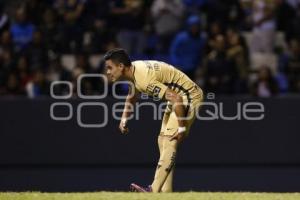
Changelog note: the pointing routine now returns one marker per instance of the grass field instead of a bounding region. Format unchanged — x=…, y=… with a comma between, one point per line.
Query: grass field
x=148, y=196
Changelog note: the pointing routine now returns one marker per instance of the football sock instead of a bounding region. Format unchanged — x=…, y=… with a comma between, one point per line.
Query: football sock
x=162, y=182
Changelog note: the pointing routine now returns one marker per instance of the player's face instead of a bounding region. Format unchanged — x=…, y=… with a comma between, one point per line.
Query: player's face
x=114, y=71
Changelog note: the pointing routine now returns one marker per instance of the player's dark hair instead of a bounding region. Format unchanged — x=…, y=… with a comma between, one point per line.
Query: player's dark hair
x=118, y=56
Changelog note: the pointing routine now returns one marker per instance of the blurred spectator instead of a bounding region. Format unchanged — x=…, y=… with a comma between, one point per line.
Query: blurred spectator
x=23, y=72
x=21, y=30
x=282, y=81
x=293, y=66
x=220, y=73
x=194, y=7
x=129, y=17
x=214, y=29
x=70, y=12
x=13, y=85
x=151, y=41
x=237, y=54
x=246, y=22
x=6, y=64
x=263, y=26
x=34, y=10
x=6, y=42
x=167, y=16
x=4, y=20
x=37, y=52
x=83, y=67
x=6, y=58
x=38, y=86
x=101, y=33
x=56, y=72
x=200, y=77
x=293, y=30
x=227, y=12
x=35, y=35
x=83, y=63
x=265, y=85
x=284, y=13
x=96, y=10
x=293, y=3
x=51, y=31
x=187, y=47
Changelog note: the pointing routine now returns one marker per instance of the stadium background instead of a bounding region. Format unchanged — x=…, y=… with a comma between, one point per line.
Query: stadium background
x=240, y=50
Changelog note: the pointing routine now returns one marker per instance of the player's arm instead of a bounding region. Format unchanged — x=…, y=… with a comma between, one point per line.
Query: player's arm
x=179, y=110
x=128, y=109
x=157, y=89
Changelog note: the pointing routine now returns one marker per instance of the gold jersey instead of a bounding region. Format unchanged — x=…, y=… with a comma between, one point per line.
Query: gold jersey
x=154, y=77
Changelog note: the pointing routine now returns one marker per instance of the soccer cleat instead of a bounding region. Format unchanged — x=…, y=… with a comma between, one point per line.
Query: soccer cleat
x=136, y=188
x=149, y=188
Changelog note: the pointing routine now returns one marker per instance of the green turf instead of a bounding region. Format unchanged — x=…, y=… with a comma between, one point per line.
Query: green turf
x=148, y=196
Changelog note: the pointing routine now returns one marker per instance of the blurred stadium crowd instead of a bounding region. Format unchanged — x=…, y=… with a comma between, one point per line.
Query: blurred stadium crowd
x=226, y=46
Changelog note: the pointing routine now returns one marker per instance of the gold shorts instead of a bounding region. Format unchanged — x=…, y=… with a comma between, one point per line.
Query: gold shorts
x=170, y=122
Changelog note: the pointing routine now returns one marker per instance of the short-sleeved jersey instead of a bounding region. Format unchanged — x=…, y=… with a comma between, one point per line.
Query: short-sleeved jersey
x=154, y=77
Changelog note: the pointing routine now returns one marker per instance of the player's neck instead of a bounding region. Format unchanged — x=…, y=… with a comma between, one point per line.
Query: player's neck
x=128, y=75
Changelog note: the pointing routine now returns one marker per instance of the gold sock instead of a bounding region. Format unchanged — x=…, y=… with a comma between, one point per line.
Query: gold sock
x=165, y=165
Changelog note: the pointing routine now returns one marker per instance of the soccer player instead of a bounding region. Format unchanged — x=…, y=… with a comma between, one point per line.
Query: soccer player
x=163, y=81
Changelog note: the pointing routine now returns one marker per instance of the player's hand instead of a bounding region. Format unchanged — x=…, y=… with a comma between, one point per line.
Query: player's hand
x=178, y=136
x=123, y=126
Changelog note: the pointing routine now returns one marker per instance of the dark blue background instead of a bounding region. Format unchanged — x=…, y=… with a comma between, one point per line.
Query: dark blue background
x=38, y=153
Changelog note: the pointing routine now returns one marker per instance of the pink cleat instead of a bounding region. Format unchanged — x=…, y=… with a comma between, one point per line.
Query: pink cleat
x=136, y=188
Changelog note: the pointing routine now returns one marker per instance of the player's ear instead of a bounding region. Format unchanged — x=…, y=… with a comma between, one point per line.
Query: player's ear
x=121, y=65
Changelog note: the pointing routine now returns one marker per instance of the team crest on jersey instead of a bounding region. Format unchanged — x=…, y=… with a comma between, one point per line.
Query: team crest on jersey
x=156, y=91
x=153, y=90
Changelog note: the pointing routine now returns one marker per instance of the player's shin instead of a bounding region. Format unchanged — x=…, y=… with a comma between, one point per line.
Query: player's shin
x=165, y=165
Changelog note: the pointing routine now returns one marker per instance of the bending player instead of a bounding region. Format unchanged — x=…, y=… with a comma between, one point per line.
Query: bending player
x=162, y=81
